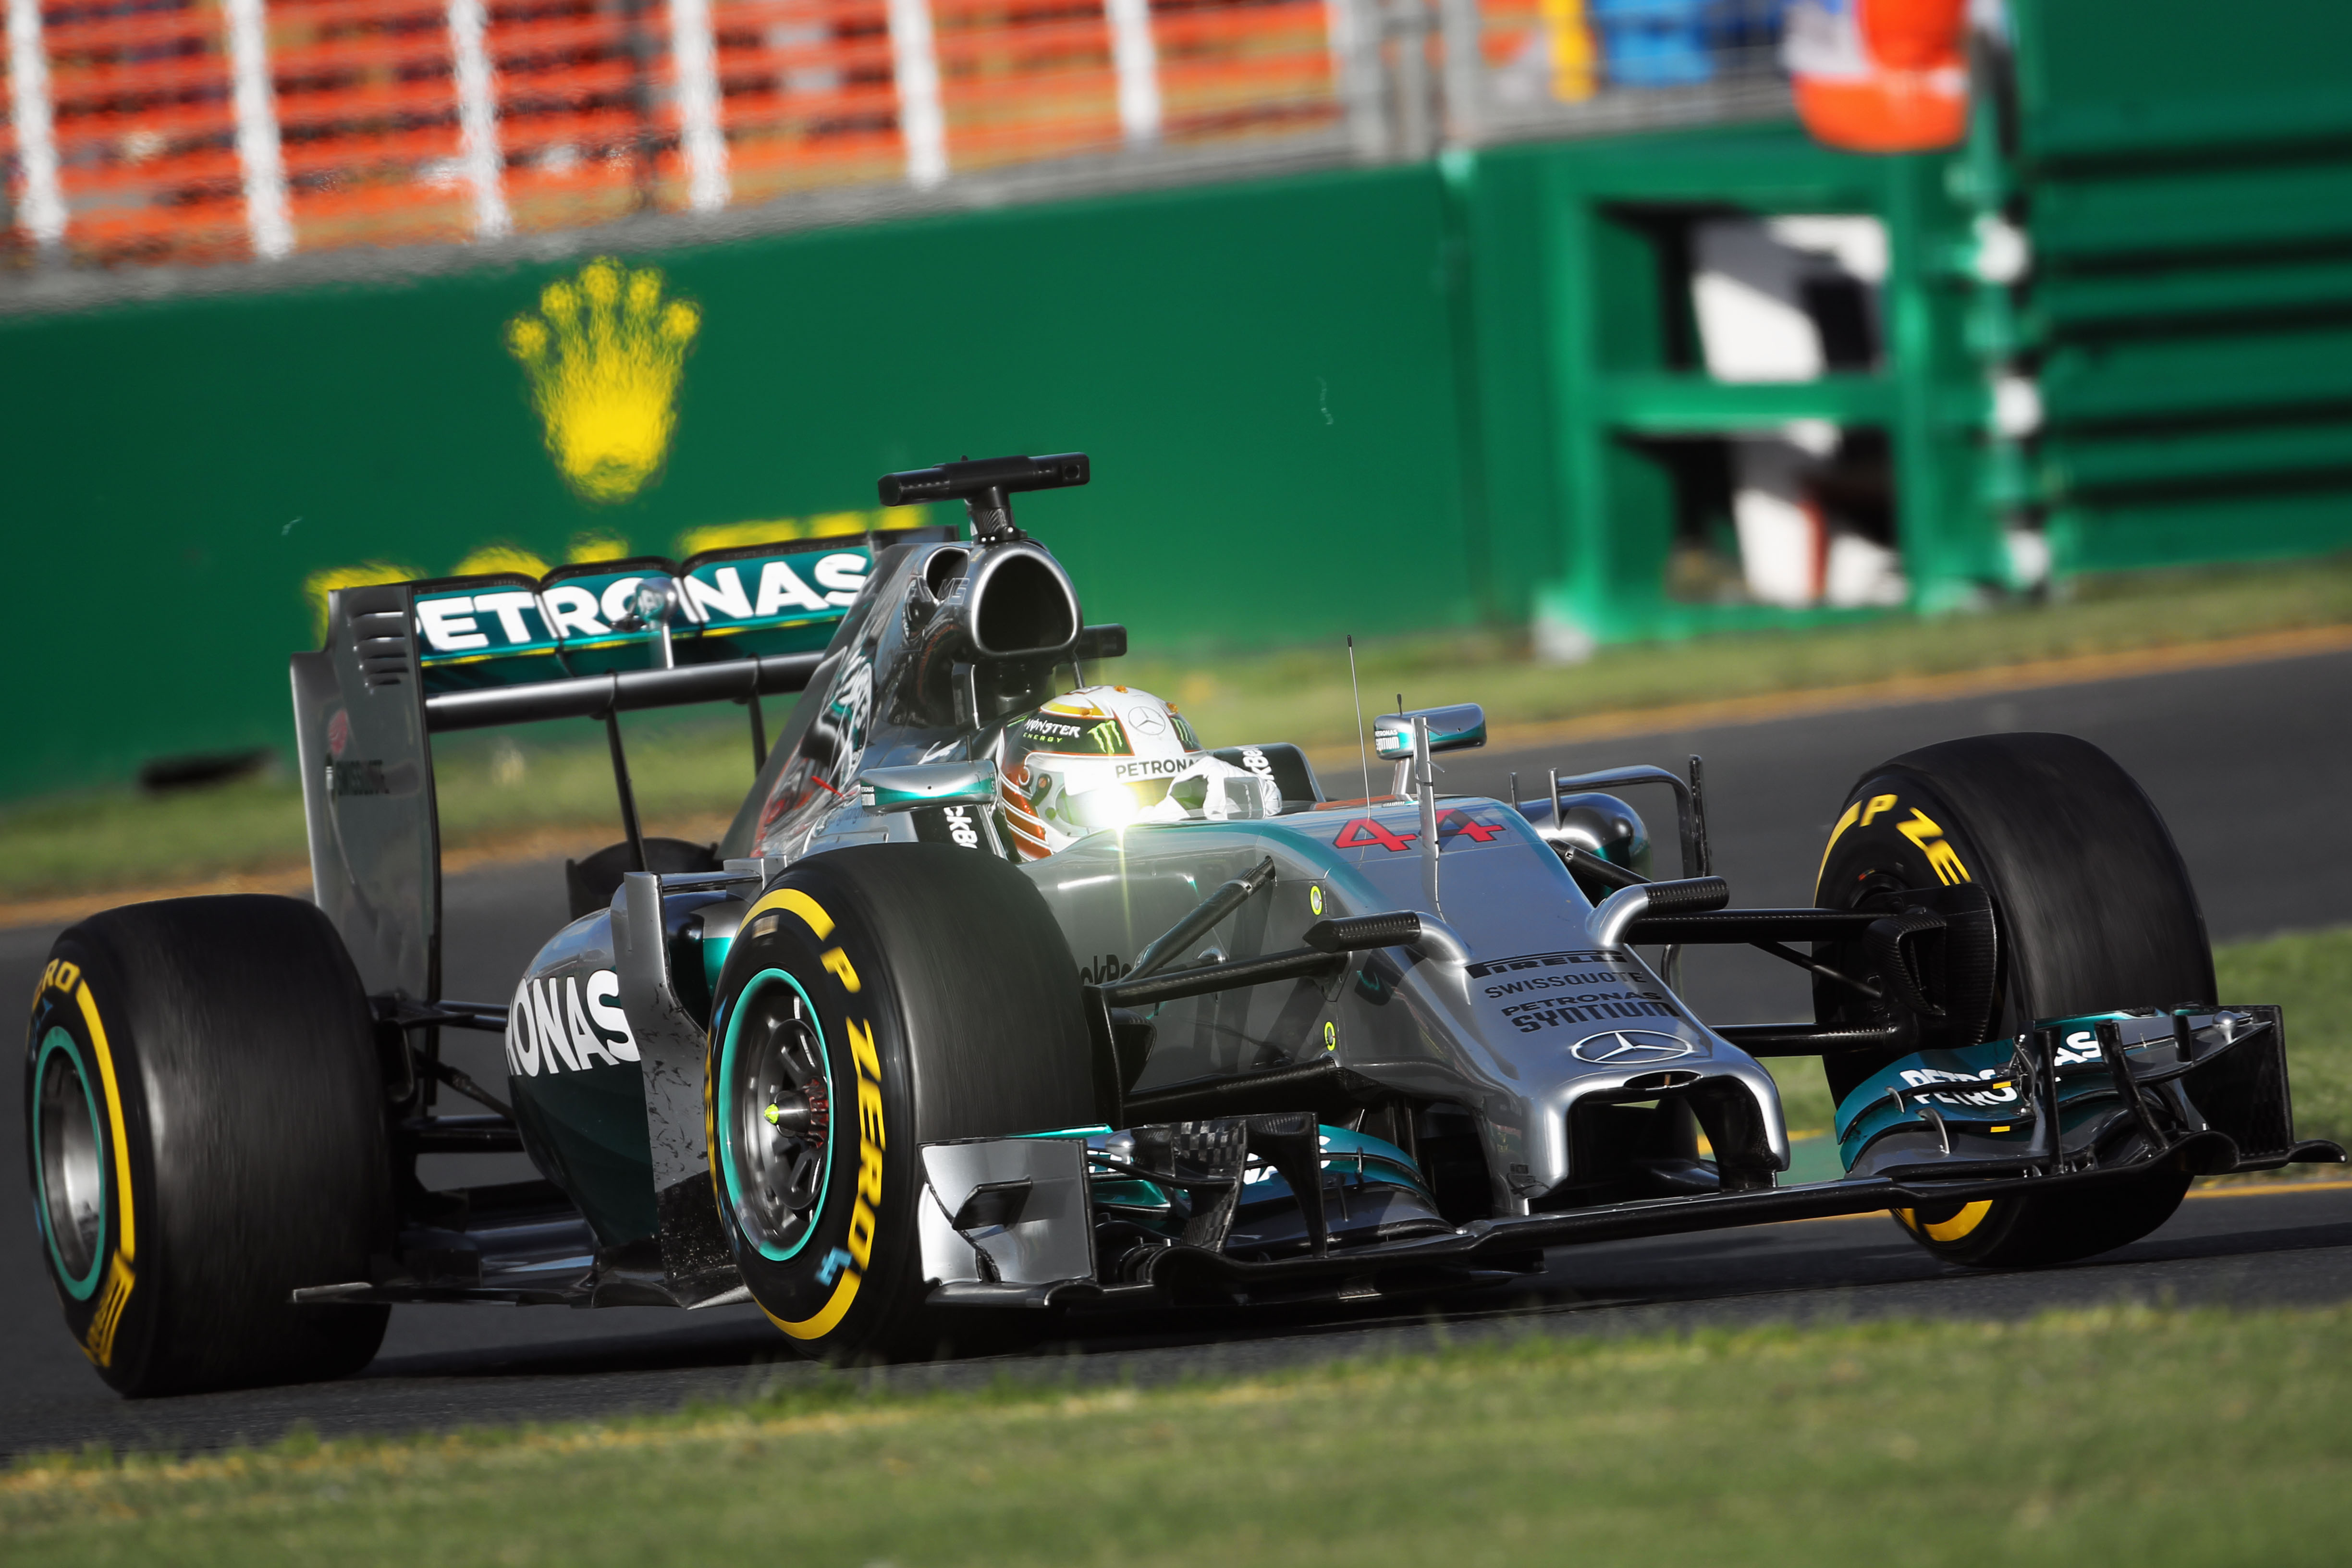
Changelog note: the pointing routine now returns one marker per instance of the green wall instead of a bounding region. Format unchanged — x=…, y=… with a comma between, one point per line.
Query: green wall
x=1371, y=400
x=1264, y=375
x=1368, y=401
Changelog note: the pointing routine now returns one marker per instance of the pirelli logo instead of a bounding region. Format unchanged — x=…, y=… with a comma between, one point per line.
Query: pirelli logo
x=1539, y=961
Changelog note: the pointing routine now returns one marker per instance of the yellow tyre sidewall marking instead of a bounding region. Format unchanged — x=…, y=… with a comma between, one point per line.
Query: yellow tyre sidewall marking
x=828, y=1318
x=106, y=1317
x=99, y=1344
x=1946, y=864
x=792, y=899
x=129, y=1247
x=1930, y=840
x=844, y=1294
x=1926, y=836
x=1852, y=813
x=1960, y=1226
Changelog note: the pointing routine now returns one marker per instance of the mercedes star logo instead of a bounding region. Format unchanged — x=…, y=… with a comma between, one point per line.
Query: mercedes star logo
x=1632, y=1048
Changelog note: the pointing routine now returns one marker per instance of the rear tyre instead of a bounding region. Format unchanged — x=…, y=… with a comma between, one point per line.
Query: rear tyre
x=2094, y=908
x=206, y=1124
x=877, y=998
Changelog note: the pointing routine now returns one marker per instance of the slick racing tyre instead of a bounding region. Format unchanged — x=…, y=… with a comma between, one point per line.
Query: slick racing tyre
x=2093, y=909
x=877, y=998
x=206, y=1124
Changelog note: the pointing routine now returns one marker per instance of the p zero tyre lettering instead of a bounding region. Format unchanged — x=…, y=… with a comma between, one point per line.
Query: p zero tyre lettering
x=1941, y=856
x=846, y=1266
x=924, y=994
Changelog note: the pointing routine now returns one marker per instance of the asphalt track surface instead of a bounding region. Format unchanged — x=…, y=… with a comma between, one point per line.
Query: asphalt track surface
x=2249, y=764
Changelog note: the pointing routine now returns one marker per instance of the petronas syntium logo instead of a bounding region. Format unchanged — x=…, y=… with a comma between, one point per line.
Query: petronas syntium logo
x=605, y=352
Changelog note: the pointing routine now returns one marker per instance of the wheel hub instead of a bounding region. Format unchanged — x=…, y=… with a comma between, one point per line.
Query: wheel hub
x=71, y=1169
x=781, y=1122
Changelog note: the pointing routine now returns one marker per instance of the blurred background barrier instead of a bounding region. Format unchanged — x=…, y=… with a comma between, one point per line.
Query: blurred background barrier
x=1382, y=316
x=204, y=130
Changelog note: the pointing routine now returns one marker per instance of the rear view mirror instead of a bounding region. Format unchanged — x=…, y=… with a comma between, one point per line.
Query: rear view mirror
x=927, y=783
x=1454, y=729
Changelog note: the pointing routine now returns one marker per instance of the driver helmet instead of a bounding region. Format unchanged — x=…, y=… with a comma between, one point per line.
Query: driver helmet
x=1107, y=756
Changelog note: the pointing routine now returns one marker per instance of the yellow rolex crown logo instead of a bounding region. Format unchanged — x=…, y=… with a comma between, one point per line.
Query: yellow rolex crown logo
x=605, y=352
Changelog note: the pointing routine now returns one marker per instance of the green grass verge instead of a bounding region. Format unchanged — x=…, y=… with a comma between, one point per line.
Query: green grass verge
x=689, y=769
x=1804, y=1094
x=116, y=838
x=1303, y=694
x=2311, y=976
x=2117, y=1435
x=689, y=775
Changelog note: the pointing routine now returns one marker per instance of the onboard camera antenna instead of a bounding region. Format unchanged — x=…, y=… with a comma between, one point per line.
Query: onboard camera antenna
x=1362, y=754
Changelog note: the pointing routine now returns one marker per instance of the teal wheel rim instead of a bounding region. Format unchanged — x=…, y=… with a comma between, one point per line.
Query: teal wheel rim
x=774, y=1111
x=68, y=1164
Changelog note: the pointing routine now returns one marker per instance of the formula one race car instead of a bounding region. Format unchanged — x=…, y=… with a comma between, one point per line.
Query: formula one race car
x=1005, y=991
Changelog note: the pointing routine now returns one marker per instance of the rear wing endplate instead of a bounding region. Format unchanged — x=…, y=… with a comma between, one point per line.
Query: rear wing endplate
x=404, y=661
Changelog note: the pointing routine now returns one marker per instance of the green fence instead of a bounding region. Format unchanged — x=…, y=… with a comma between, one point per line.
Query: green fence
x=2185, y=172
x=1591, y=398
x=1364, y=401
x=1374, y=400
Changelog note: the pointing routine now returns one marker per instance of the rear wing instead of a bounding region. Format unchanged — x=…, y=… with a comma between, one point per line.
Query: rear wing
x=404, y=661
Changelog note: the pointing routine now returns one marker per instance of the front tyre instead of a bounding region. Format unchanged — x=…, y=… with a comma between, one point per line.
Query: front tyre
x=2094, y=909
x=206, y=1127
x=877, y=998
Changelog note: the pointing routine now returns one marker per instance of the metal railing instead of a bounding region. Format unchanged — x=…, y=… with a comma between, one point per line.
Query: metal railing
x=198, y=131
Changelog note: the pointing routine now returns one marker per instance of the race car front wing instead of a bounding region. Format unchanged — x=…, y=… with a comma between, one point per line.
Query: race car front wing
x=2202, y=1091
